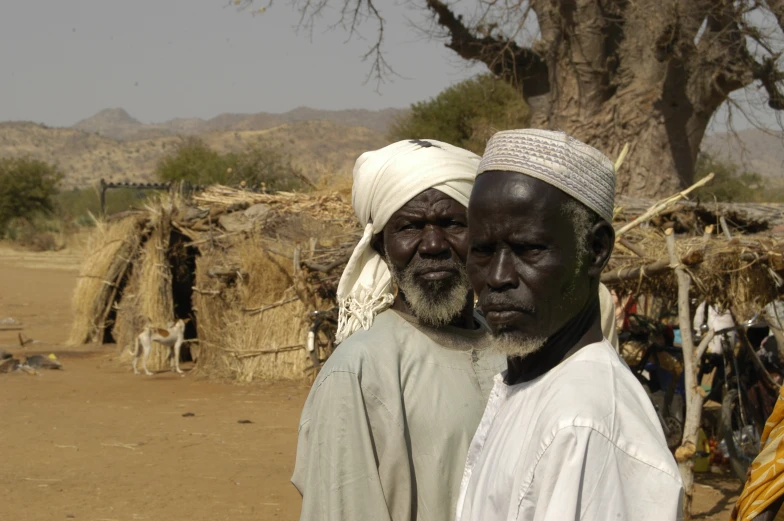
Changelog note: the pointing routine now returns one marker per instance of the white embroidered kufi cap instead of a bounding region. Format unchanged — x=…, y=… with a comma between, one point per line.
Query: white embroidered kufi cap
x=557, y=159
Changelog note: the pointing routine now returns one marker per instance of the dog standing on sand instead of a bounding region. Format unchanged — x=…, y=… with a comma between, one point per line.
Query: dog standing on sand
x=171, y=337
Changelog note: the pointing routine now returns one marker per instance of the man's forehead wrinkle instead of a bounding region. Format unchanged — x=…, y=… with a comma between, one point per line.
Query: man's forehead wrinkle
x=418, y=207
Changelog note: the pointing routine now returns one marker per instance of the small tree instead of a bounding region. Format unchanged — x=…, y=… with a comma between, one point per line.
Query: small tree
x=194, y=161
x=465, y=114
x=27, y=187
x=269, y=165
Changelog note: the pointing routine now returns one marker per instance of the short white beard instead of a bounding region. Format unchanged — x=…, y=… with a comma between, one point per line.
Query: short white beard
x=437, y=305
x=514, y=345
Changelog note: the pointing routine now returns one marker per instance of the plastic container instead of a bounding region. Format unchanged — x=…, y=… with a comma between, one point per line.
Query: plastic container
x=702, y=456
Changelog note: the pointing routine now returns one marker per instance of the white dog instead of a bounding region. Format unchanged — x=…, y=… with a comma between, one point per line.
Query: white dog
x=171, y=337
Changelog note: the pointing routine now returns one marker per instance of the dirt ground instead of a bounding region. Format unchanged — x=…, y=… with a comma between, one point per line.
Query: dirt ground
x=95, y=442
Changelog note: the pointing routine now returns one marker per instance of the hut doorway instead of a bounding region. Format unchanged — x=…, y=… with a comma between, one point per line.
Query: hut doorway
x=182, y=259
x=108, y=336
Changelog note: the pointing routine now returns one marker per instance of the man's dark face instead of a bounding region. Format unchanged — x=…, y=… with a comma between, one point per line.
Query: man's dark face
x=425, y=244
x=523, y=263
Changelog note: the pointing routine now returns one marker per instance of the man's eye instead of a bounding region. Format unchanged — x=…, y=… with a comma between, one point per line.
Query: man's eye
x=481, y=250
x=520, y=249
x=409, y=226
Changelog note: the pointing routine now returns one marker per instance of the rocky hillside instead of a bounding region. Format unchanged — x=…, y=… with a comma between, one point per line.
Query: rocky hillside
x=321, y=147
x=118, y=124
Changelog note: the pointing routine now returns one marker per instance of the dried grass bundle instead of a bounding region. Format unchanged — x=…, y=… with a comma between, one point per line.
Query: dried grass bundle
x=330, y=206
x=252, y=326
x=148, y=300
x=111, y=249
x=742, y=272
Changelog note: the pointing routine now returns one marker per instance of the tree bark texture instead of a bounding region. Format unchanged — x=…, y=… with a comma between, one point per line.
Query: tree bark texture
x=610, y=72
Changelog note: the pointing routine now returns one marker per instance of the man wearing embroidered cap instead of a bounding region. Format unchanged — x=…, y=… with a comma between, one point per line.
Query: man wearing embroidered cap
x=568, y=432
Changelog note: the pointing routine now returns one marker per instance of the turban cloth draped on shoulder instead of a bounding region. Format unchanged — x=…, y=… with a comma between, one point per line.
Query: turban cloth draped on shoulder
x=384, y=181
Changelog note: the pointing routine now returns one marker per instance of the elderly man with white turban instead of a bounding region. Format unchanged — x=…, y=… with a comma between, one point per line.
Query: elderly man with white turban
x=568, y=432
x=385, y=430
x=386, y=427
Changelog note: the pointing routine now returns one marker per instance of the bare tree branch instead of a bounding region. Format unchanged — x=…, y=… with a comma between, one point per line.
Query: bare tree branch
x=504, y=58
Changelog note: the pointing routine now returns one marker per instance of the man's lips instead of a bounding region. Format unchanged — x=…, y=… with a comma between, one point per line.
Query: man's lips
x=504, y=314
x=436, y=273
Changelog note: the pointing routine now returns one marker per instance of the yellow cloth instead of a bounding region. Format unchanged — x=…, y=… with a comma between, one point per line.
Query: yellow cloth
x=765, y=482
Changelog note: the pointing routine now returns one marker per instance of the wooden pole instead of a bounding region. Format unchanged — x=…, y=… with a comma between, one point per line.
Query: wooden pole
x=685, y=453
x=657, y=208
x=103, y=197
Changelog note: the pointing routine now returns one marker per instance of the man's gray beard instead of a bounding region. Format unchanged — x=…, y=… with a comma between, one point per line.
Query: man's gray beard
x=437, y=302
x=514, y=345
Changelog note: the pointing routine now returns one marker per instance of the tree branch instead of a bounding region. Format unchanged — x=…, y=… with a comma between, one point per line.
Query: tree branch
x=504, y=58
x=777, y=8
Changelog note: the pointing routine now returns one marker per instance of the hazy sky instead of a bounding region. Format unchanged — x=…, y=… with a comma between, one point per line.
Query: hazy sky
x=62, y=61
x=65, y=60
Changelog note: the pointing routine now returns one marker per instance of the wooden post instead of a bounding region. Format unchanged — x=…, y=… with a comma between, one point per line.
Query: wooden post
x=694, y=399
x=103, y=197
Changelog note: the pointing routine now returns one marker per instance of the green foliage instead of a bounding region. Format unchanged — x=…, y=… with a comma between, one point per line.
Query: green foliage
x=731, y=184
x=194, y=161
x=197, y=163
x=76, y=205
x=465, y=114
x=27, y=188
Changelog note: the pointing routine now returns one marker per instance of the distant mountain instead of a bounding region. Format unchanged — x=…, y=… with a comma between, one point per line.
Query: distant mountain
x=115, y=123
x=118, y=124
x=752, y=149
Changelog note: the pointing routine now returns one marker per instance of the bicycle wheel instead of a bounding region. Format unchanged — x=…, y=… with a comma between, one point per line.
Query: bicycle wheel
x=740, y=433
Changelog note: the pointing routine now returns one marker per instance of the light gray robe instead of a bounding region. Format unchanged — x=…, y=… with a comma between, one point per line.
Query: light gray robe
x=387, y=425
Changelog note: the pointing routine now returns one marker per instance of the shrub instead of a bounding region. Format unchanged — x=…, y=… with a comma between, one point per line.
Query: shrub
x=731, y=184
x=465, y=114
x=197, y=163
x=27, y=188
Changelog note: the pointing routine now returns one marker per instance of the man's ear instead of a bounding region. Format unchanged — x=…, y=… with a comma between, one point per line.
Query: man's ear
x=601, y=244
x=378, y=244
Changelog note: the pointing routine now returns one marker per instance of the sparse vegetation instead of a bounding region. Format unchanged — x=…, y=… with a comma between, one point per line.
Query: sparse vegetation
x=196, y=162
x=733, y=184
x=465, y=114
x=27, y=189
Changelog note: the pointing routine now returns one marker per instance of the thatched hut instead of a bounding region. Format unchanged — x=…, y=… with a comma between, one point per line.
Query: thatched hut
x=248, y=268
x=235, y=262
x=733, y=252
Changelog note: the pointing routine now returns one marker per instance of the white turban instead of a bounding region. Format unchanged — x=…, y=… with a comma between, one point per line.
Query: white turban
x=384, y=181
x=559, y=160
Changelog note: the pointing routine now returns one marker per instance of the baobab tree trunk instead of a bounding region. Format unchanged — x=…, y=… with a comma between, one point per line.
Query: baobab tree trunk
x=611, y=73
x=650, y=73
x=663, y=146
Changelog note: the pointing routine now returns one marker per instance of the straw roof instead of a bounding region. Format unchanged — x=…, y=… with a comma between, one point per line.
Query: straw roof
x=256, y=264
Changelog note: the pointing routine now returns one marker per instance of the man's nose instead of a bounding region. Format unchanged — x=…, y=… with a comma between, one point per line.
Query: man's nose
x=433, y=243
x=502, y=274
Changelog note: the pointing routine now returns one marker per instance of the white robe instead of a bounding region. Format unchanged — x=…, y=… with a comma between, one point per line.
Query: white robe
x=581, y=442
x=387, y=425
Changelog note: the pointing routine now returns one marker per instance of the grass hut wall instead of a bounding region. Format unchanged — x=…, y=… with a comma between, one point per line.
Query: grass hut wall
x=231, y=260
x=112, y=248
x=147, y=298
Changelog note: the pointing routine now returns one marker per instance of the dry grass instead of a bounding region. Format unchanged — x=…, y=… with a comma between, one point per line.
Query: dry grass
x=239, y=341
x=738, y=273
x=148, y=300
x=110, y=252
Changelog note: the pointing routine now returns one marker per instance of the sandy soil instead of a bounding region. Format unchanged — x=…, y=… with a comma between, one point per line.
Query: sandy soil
x=95, y=442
